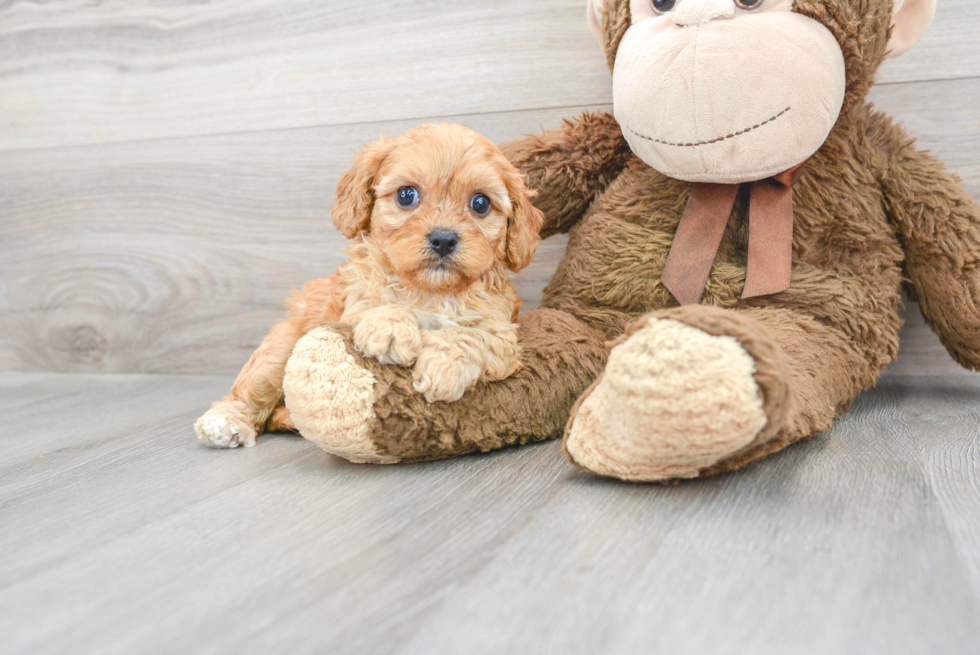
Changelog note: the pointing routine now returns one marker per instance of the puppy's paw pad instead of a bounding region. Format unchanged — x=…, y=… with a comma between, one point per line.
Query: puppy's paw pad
x=219, y=431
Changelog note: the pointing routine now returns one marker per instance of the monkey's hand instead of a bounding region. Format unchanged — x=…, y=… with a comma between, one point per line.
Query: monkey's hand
x=569, y=167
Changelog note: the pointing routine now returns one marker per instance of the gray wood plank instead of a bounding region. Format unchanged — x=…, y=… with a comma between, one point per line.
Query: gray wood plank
x=68, y=420
x=943, y=415
x=82, y=463
x=78, y=72
x=842, y=544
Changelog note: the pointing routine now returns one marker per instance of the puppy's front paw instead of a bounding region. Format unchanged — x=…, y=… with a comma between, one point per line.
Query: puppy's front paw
x=220, y=429
x=441, y=374
x=388, y=335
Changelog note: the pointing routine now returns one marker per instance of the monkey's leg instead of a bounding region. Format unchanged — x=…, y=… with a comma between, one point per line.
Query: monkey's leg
x=369, y=412
x=698, y=390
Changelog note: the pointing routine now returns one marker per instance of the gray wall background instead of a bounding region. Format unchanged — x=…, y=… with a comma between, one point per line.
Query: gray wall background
x=166, y=168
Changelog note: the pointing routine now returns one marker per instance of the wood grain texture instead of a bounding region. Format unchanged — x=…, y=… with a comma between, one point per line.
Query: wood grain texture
x=943, y=415
x=166, y=171
x=126, y=535
x=76, y=72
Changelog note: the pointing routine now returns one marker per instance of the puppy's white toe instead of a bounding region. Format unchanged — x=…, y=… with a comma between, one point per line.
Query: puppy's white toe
x=219, y=431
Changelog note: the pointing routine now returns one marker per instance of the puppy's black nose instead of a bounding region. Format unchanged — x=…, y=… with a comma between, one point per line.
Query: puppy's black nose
x=442, y=241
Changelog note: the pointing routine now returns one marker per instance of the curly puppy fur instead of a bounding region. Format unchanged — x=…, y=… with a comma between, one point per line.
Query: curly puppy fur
x=451, y=317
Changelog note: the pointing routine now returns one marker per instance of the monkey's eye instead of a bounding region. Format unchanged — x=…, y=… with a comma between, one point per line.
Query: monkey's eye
x=407, y=196
x=749, y=4
x=480, y=204
x=663, y=6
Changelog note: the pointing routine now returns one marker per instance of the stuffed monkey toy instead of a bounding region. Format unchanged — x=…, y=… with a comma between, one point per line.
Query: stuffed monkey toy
x=740, y=230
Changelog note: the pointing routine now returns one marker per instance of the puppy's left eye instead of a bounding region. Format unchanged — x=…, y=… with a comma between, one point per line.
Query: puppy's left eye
x=480, y=204
x=407, y=196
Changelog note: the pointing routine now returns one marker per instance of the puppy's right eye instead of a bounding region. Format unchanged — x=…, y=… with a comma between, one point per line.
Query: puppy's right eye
x=407, y=196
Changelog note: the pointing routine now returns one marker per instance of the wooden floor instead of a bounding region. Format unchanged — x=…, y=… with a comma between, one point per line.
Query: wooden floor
x=123, y=534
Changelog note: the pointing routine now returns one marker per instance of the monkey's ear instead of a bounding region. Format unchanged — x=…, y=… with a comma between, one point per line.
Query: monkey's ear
x=608, y=20
x=523, y=224
x=355, y=194
x=909, y=21
x=593, y=12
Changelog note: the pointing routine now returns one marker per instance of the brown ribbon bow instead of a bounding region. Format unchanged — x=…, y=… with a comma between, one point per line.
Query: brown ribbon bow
x=702, y=226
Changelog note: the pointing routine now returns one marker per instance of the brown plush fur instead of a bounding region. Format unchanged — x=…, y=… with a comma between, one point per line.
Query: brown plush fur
x=560, y=357
x=871, y=211
x=452, y=318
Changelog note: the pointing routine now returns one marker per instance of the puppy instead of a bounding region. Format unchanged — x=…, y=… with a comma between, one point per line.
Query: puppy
x=436, y=217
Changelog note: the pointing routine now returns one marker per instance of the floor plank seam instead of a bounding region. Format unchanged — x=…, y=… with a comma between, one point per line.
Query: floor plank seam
x=313, y=126
x=966, y=78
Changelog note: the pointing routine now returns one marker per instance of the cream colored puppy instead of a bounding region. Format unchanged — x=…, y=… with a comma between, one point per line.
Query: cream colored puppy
x=437, y=217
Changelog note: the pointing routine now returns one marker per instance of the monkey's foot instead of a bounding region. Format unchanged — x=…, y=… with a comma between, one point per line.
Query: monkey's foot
x=674, y=401
x=331, y=397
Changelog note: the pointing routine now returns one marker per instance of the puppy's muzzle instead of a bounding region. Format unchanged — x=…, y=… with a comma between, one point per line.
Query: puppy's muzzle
x=443, y=241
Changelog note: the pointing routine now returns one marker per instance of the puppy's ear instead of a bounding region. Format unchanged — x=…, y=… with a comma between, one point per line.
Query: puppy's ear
x=524, y=223
x=355, y=193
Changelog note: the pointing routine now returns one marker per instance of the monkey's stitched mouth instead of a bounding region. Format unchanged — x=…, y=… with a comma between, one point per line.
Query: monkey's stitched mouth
x=695, y=144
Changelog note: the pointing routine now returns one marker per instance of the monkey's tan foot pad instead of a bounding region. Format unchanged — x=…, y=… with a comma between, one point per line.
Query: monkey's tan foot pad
x=673, y=401
x=331, y=397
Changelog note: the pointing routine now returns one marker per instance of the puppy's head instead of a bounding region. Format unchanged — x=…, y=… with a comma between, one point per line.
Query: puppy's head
x=442, y=203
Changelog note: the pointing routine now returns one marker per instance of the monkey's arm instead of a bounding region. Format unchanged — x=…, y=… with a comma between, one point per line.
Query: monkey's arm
x=939, y=225
x=570, y=166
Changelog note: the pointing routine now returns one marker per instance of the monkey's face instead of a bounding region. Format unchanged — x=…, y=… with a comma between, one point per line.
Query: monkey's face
x=726, y=91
